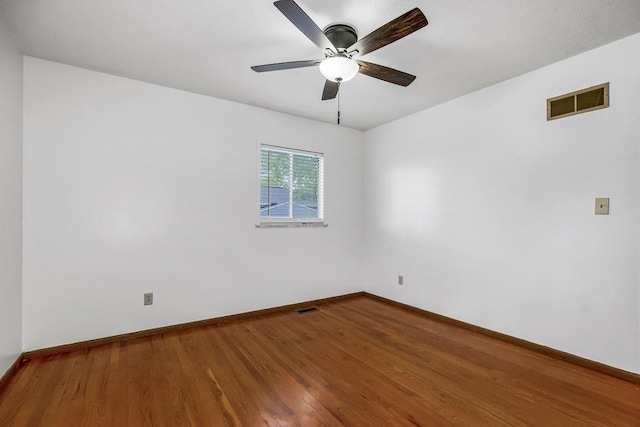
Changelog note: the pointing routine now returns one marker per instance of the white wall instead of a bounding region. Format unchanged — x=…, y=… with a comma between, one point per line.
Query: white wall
x=487, y=209
x=484, y=206
x=10, y=200
x=131, y=188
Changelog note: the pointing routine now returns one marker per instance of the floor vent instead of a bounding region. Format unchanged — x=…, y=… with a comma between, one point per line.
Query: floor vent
x=307, y=310
x=590, y=99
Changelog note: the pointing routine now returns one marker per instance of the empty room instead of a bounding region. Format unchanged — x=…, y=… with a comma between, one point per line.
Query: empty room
x=304, y=212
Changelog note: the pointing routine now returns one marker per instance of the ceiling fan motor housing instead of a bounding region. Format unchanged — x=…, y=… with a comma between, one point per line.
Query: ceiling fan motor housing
x=341, y=35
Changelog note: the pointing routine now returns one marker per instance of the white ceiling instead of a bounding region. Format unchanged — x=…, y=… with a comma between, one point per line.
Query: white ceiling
x=207, y=46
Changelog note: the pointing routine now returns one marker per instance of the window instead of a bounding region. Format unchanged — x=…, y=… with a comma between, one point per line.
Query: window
x=291, y=186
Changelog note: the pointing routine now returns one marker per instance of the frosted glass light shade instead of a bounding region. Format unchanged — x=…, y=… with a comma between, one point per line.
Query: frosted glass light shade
x=339, y=68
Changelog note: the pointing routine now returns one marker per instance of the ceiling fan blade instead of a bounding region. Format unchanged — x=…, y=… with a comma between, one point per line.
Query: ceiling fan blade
x=285, y=65
x=301, y=20
x=387, y=74
x=330, y=90
x=398, y=28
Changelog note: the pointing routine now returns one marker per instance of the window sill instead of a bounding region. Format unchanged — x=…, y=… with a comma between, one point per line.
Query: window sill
x=313, y=224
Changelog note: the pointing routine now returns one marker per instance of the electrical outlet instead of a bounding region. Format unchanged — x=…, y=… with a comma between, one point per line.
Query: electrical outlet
x=400, y=280
x=148, y=298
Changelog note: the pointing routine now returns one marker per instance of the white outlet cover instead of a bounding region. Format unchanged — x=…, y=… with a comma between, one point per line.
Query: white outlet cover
x=148, y=298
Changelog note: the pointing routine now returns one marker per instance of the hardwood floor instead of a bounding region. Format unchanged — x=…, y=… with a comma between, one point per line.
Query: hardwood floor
x=357, y=362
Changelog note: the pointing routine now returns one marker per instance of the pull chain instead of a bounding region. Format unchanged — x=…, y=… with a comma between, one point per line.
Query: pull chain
x=338, y=107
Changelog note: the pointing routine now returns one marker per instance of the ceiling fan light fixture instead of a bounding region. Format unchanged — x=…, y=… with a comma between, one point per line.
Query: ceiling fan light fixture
x=339, y=68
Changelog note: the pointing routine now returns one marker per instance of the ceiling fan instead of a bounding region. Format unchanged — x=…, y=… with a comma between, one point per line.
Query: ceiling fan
x=340, y=45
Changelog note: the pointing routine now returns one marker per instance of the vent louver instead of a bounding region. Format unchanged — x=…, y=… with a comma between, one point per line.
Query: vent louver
x=590, y=99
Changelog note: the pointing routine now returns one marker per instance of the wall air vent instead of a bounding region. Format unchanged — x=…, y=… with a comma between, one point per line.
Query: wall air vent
x=593, y=98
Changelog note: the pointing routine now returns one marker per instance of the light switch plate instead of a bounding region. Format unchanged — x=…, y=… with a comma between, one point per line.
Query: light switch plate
x=602, y=206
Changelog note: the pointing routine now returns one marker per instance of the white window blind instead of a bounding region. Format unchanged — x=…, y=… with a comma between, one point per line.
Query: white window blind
x=291, y=185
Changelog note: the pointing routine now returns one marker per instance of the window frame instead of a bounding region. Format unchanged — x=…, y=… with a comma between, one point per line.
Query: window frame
x=263, y=222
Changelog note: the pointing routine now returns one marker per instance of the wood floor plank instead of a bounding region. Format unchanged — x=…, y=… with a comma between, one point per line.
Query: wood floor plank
x=578, y=401
x=278, y=379
x=418, y=372
x=441, y=365
x=465, y=382
x=377, y=390
x=355, y=362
